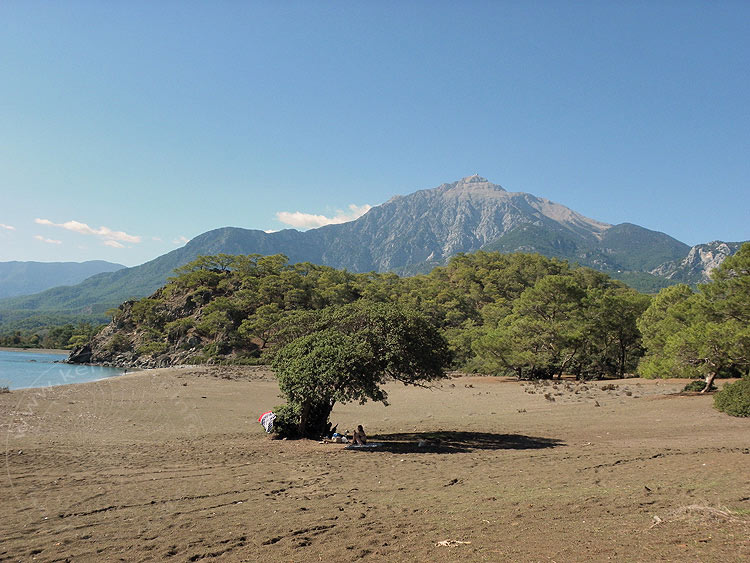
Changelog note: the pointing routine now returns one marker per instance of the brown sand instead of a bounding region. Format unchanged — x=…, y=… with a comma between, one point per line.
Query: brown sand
x=172, y=465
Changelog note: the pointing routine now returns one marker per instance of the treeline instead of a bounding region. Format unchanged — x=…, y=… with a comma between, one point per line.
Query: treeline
x=64, y=337
x=519, y=314
x=703, y=333
x=522, y=314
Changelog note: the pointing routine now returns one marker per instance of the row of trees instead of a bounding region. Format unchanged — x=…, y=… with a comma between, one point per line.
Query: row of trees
x=703, y=333
x=520, y=314
x=568, y=320
x=64, y=337
x=565, y=324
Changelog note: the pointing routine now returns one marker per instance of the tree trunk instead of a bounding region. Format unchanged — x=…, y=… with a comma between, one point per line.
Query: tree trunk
x=566, y=362
x=313, y=421
x=709, y=381
x=304, y=418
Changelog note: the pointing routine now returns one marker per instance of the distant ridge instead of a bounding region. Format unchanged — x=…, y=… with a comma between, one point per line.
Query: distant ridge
x=26, y=278
x=407, y=234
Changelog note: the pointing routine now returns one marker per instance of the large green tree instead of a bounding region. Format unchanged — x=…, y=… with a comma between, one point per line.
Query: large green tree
x=718, y=338
x=347, y=353
x=574, y=322
x=543, y=335
x=703, y=334
x=669, y=312
x=612, y=342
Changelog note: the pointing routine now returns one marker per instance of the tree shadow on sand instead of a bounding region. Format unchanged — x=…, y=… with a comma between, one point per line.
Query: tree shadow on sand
x=451, y=442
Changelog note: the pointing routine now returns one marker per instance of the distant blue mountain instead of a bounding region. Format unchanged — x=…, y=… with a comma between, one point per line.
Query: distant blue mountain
x=26, y=278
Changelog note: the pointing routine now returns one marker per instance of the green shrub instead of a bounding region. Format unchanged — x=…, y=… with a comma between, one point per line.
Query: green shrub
x=152, y=348
x=734, y=398
x=216, y=349
x=179, y=328
x=197, y=359
x=286, y=424
x=247, y=361
x=118, y=343
x=698, y=385
x=148, y=311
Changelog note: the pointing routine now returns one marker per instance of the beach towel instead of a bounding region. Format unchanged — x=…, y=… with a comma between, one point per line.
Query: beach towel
x=266, y=419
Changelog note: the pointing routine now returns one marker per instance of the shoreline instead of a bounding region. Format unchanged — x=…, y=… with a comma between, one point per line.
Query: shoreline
x=50, y=371
x=50, y=351
x=71, y=384
x=197, y=370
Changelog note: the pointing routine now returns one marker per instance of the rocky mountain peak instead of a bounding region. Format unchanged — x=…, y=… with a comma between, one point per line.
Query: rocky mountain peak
x=473, y=179
x=474, y=184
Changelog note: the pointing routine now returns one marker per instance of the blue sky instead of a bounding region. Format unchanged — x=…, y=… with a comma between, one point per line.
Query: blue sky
x=127, y=128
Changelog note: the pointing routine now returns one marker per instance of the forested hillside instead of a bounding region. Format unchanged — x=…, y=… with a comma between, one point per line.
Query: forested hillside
x=522, y=314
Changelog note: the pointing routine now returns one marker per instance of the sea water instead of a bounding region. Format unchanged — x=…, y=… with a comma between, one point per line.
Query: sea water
x=20, y=370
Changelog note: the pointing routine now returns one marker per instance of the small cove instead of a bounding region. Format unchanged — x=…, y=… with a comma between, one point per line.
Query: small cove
x=22, y=369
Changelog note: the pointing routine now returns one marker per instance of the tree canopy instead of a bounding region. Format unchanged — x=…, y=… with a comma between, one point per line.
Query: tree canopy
x=704, y=333
x=518, y=314
x=347, y=353
x=572, y=322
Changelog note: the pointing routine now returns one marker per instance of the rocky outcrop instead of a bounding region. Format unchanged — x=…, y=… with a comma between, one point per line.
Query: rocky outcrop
x=697, y=266
x=156, y=332
x=80, y=355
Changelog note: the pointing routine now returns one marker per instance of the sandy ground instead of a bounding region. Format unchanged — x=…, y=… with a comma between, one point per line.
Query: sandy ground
x=171, y=465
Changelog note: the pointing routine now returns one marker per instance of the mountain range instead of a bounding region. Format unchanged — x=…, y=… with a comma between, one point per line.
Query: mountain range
x=24, y=278
x=408, y=235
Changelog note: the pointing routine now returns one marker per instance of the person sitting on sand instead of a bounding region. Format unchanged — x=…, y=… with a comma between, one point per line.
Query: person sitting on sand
x=359, y=437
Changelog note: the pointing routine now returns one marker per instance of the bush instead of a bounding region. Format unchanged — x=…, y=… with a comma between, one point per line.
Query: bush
x=118, y=343
x=152, y=348
x=216, y=349
x=196, y=359
x=247, y=361
x=734, y=398
x=698, y=385
x=286, y=424
x=179, y=328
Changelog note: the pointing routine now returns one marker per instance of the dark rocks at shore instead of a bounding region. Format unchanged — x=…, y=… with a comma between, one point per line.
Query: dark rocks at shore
x=128, y=358
x=80, y=355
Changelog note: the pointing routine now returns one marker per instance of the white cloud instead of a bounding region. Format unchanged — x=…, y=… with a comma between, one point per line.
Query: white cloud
x=113, y=244
x=47, y=240
x=82, y=228
x=180, y=240
x=311, y=221
x=7, y=227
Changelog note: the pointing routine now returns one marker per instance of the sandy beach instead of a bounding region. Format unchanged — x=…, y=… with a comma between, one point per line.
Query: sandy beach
x=172, y=465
